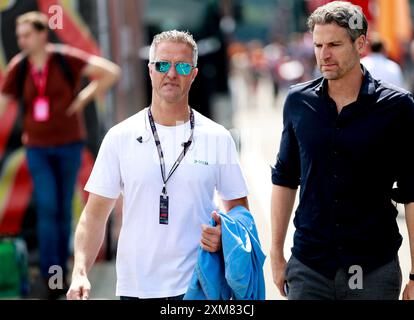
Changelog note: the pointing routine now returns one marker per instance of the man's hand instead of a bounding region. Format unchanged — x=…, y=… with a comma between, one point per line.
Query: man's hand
x=211, y=236
x=79, y=289
x=278, y=273
x=408, y=293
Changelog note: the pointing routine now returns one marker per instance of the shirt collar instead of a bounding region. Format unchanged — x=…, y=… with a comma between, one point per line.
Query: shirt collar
x=367, y=89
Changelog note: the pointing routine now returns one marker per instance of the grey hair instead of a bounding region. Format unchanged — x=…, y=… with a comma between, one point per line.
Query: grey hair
x=174, y=36
x=344, y=14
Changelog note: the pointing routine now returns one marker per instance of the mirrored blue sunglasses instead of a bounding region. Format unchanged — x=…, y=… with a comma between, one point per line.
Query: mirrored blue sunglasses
x=182, y=68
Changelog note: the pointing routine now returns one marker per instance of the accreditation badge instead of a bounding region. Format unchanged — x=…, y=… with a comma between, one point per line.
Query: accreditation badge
x=163, y=209
x=41, y=109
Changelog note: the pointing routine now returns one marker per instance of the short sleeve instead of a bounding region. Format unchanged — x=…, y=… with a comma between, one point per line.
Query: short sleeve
x=286, y=171
x=105, y=179
x=77, y=59
x=404, y=193
x=231, y=183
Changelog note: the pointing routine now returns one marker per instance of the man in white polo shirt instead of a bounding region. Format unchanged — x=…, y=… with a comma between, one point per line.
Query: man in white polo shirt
x=167, y=161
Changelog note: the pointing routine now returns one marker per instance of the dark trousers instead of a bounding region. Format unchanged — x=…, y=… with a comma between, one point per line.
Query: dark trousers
x=180, y=297
x=383, y=283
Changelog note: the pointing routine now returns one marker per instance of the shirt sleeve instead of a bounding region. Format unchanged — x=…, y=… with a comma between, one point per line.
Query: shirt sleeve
x=286, y=171
x=9, y=83
x=231, y=183
x=404, y=193
x=105, y=178
x=77, y=59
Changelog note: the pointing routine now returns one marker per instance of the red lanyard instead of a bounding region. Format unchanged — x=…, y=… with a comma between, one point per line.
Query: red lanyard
x=40, y=78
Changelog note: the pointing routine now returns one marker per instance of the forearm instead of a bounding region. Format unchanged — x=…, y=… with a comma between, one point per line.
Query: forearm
x=409, y=216
x=88, y=93
x=102, y=84
x=103, y=73
x=95, y=88
x=89, y=237
x=283, y=199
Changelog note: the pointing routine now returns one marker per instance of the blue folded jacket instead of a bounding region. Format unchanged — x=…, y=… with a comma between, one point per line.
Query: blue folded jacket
x=236, y=271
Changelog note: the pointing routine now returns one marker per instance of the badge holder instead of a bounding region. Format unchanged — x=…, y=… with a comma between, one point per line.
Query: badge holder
x=163, y=208
x=41, y=109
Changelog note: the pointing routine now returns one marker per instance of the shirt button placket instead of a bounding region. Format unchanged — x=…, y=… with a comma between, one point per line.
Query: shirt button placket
x=335, y=183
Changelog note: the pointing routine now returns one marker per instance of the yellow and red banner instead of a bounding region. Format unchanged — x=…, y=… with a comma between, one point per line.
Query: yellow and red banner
x=393, y=23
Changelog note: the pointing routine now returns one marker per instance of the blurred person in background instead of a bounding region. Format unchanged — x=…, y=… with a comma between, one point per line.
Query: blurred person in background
x=45, y=79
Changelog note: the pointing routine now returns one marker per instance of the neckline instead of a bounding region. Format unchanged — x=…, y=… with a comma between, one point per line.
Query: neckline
x=178, y=126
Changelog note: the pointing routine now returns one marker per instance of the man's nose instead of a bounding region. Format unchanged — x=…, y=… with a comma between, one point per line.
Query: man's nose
x=325, y=53
x=172, y=72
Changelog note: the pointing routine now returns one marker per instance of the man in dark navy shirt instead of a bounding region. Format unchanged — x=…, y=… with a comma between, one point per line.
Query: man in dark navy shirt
x=347, y=138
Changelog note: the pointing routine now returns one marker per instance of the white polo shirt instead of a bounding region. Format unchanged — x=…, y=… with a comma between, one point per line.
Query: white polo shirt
x=155, y=260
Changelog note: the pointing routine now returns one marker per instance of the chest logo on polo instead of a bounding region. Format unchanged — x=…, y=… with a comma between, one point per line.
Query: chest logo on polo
x=203, y=162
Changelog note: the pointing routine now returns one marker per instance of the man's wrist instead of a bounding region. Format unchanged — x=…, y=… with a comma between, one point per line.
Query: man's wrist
x=277, y=258
x=277, y=255
x=79, y=271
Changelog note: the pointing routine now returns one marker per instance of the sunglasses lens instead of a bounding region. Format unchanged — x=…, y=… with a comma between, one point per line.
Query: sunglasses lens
x=162, y=66
x=183, y=69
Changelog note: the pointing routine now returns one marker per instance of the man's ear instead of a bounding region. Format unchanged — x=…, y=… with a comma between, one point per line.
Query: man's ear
x=195, y=72
x=361, y=43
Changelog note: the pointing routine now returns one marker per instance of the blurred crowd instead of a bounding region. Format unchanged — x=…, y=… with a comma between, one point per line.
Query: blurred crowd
x=291, y=62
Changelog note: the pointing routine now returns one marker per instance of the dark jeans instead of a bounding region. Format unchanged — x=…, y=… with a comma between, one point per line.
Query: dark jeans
x=383, y=283
x=54, y=172
x=180, y=297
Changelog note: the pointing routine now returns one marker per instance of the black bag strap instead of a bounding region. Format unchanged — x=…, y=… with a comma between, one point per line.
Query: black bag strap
x=21, y=76
x=67, y=71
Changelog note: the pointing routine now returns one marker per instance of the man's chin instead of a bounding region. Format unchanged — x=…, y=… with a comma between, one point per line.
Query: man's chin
x=171, y=99
x=28, y=52
x=330, y=76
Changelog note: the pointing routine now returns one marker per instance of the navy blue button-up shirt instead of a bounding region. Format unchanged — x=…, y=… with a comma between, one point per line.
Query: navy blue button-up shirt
x=346, y=165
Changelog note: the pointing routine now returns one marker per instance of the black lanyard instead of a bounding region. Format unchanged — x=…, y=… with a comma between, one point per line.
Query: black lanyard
x=186, y=145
